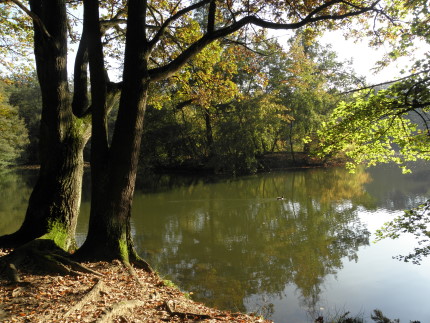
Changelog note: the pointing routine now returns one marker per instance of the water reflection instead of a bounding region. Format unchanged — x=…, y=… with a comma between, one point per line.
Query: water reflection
x=235, y=246
x=15, y=189
x=229, y=240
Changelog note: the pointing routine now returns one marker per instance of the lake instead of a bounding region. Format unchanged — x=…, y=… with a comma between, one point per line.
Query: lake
x=234, y=245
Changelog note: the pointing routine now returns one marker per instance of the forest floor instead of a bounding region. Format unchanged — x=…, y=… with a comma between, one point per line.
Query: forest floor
x=117, y=295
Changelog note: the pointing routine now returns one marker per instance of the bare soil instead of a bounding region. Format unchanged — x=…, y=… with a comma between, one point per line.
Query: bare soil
x=119, y=295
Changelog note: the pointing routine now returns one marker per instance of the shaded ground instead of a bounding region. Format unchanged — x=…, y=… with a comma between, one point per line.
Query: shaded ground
x=116, y=296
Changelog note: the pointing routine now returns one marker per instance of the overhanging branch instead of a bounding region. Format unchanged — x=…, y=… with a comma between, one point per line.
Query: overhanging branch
x=169, y=69
x=386, y=83
x=37, y=21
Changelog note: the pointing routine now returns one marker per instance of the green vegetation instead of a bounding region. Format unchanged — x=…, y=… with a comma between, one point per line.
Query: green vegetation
x=257, y=103
x=218, y=93
x=13, y=133
x=390, y=123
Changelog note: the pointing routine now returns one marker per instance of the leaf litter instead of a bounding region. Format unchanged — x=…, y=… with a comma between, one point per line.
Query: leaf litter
x=118, y=296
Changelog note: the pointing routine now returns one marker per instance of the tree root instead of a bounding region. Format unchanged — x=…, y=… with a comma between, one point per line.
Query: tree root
x=76, y=266
x=92, y=294
x=183, y=315
x=12, y=273
x=138, y=261
x=42, y=255
x=118, y=309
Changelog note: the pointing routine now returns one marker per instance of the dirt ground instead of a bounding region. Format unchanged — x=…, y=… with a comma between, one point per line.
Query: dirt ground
x=114, y=296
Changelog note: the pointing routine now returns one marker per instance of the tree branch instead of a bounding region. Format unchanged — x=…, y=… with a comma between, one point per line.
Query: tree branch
x=168, y=69
x=80, y=100
x=385, y=83
x=176, y=16
x=33, y=16
x=211, y=17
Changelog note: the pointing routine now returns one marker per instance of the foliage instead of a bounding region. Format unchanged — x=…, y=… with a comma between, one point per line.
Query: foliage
x=391, y=124
x=15, y=40
x=415, y=221
x=313, y=80
x=13, y=134
x=247, y=129
x=387, y=126
x=26, y=96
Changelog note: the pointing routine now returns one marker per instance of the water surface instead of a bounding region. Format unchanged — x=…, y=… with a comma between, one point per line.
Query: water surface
x=235, y=246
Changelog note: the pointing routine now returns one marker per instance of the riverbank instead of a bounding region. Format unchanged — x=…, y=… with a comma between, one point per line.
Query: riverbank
x=116, y=296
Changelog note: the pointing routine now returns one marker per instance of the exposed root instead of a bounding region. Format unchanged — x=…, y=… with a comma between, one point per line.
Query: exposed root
x=44, y=256
x=76, y=266
x=12, y=273
x=136, y=260
x=169, y=305
x=92, y=295
x=119, y=309
x=132, y=273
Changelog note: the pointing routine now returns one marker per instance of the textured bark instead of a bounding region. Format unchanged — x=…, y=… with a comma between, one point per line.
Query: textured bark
x=114, y=169
x=54, y=203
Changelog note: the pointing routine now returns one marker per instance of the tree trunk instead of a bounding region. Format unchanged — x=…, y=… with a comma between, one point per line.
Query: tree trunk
x=293, y=156
x=109, y=232
x=209, y=133
x=54, y=203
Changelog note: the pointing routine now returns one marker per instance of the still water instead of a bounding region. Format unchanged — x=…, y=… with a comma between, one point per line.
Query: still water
x=234, y=245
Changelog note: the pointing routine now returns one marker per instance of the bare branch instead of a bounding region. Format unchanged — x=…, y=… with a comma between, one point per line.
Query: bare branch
x=385, y=83
x=196, y=47
x=244, y=45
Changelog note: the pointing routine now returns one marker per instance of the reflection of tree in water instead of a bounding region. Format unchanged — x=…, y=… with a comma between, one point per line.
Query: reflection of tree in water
x=393, y=189
x=15, y=189
x=227, y=241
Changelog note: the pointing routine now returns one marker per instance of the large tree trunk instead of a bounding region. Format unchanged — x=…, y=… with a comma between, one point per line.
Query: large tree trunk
x=114, y=169
x=109, y=232
x=54, y=203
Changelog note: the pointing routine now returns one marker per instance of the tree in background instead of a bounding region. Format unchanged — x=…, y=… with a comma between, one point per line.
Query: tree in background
x=26, y=96
x=150, y=29
x=13, y=133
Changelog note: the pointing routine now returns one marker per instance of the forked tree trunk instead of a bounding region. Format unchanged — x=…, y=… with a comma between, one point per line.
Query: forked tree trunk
x=54, y=203
x=114, y=169
x=109, y=232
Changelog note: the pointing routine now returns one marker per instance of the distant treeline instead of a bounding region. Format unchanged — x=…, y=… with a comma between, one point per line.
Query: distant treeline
x=222, y=113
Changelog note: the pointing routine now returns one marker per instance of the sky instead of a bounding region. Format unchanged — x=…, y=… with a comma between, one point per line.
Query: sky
x=364, y=58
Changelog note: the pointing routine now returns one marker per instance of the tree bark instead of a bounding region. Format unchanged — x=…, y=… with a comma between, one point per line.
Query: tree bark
x=109, y=233
x=54, y=203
